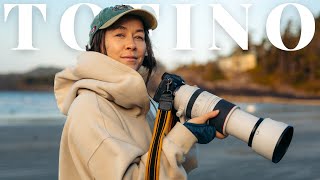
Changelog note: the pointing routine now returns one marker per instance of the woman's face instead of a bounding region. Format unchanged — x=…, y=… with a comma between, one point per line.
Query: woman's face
x=125, y=41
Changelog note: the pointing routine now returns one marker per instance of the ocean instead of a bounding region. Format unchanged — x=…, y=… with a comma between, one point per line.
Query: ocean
x=28, y=108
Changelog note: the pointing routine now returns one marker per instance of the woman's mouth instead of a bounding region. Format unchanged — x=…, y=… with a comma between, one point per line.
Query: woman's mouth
x=129, y=58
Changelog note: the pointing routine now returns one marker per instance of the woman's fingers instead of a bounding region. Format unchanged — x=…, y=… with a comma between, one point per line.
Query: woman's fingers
x=212, y=114
x=204, y=118
x=219, y=135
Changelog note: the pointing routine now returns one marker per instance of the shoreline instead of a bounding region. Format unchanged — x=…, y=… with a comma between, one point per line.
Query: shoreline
x=231, y=98
x=271, y=99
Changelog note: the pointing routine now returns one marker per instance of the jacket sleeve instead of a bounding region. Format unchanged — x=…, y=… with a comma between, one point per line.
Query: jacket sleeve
x=116, y=159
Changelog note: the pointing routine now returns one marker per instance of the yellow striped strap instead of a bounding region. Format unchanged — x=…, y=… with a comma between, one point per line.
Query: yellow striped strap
x=162, y=126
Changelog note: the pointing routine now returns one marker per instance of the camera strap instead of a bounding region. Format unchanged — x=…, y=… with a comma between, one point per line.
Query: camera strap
x=163, y=123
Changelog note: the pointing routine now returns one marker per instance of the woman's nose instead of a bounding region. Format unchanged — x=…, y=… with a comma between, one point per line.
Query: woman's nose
x=130, y=44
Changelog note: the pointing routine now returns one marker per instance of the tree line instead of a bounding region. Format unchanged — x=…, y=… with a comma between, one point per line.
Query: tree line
x=299, y=69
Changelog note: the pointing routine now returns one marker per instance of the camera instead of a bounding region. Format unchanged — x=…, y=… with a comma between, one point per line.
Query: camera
x=267, y=137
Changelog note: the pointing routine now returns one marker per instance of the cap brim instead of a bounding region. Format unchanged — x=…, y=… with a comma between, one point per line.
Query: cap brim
x=148, y=18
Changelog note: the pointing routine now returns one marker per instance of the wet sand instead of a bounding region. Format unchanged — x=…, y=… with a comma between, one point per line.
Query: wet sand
x=232, y=159
x=31, y=152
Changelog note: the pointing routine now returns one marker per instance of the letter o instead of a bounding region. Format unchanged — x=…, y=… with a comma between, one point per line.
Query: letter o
x=67, y=24
x=307, y=27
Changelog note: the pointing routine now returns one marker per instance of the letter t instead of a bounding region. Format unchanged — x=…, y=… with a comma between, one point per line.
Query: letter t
x=25, y=23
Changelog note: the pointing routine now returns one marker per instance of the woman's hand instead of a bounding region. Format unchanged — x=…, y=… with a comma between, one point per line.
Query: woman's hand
x=203, y=120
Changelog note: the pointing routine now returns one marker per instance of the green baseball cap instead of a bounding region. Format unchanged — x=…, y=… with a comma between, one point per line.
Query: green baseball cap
x=110, y=15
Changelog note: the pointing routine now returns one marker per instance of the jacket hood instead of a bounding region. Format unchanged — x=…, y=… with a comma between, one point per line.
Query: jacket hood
x=104, y=76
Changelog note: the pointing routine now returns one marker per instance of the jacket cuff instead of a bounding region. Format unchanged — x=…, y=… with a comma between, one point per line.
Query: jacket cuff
x=182, y=137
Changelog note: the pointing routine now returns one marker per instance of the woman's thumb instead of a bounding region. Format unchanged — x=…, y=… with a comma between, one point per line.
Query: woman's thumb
x=211, y=114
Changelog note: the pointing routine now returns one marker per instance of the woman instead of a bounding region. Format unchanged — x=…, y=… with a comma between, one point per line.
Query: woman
x=107, y=132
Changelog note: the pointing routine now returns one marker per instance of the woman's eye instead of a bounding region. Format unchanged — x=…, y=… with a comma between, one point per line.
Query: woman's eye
x=140, y=37
x=120, y=35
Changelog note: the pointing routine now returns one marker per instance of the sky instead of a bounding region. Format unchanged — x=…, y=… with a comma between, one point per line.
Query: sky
x=53, y=51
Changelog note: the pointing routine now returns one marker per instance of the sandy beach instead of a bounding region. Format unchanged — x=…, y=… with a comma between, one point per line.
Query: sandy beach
x=30, y=151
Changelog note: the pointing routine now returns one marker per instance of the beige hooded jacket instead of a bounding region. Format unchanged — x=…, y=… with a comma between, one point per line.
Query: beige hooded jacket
x=106, y=134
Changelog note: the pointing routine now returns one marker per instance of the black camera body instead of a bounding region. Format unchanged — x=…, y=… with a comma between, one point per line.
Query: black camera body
x=174, y=83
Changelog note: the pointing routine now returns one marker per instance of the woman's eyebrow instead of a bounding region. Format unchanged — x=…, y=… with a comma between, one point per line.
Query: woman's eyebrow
x=140, y=30
x=120, y=27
